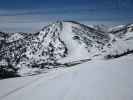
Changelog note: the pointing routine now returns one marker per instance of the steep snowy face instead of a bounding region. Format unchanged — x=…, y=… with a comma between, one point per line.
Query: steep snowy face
x=82, y=41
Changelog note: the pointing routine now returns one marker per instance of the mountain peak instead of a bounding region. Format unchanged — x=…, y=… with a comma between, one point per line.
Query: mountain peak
x=63, y=42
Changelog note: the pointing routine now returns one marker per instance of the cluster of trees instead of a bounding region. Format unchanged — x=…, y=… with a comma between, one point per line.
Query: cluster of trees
x=7, y=70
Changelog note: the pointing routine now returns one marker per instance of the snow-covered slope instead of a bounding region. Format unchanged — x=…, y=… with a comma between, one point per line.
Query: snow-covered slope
x=82, y=42
x=94, y=80
x=122, y=39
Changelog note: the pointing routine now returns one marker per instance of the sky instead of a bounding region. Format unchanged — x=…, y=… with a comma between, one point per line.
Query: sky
x=32, y=15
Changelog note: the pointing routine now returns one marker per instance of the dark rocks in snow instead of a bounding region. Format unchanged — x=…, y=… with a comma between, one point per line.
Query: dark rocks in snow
x=119, y=55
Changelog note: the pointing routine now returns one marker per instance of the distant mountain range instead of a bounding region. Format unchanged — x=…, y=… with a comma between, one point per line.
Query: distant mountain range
x=62, y=42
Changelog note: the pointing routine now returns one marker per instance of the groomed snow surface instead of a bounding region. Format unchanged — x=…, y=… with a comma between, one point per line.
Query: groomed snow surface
x=94, y=80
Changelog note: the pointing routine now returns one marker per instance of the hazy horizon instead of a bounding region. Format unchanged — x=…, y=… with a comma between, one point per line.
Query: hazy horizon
x=32, y=15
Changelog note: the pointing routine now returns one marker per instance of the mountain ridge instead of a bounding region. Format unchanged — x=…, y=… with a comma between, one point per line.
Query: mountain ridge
x=62, y=42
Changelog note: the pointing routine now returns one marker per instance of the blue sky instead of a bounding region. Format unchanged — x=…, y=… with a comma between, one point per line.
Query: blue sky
x=32, y=15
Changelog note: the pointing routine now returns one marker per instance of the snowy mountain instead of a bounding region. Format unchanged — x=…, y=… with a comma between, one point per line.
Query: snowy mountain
x=60, y=43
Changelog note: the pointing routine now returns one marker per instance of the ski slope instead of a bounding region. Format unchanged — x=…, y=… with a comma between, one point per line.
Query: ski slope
x=94, y=80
